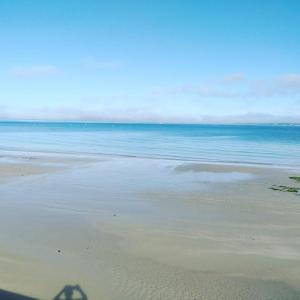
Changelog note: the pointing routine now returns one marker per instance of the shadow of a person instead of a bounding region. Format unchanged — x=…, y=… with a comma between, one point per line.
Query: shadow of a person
x=71, y=292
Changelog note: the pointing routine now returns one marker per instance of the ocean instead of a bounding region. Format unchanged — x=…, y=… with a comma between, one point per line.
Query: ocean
x=277, y=145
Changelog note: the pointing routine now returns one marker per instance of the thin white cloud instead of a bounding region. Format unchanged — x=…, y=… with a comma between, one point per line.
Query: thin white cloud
x=233, y=78
x=94, y=63
x=200, y=90
x=281, y=86
x=251, y=118
x=291, y=81
x=135, y=115
x=26, y=72
x=82, y=114
x=236, y=87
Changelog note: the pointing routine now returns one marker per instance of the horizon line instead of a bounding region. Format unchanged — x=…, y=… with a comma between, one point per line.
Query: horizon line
x=142, y=123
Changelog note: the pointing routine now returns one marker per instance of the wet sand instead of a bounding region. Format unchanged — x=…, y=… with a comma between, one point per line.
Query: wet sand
x=129, y=228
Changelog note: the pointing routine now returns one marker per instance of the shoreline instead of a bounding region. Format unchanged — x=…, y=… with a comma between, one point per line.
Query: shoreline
x=23, y=154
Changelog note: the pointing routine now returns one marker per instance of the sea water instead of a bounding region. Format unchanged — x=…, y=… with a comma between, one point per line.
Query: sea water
x=243, y=144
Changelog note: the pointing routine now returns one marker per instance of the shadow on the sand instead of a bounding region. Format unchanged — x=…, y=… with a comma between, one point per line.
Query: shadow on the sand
x=13, y=296
x=69, y=292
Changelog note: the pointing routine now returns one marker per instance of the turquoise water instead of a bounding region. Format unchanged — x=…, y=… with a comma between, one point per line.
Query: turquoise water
x=250, y=144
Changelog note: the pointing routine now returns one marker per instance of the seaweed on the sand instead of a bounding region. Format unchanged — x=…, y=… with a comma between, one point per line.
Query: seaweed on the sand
x=284, y=188
x=296, y=178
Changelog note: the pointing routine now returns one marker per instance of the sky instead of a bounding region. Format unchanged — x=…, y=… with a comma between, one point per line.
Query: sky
x=150, y=61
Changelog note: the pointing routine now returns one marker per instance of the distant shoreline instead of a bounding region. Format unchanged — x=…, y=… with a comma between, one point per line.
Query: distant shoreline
x=150, y=123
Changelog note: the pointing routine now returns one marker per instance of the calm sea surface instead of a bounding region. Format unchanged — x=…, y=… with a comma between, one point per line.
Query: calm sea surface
x=253, y=144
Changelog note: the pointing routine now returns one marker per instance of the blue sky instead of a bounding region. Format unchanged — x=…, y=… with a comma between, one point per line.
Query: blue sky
x=150, y=61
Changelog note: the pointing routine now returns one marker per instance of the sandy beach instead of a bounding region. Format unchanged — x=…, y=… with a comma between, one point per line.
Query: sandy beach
x=129, y=228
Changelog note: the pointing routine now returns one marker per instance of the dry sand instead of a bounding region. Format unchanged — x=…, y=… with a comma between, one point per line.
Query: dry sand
x=141, y=229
